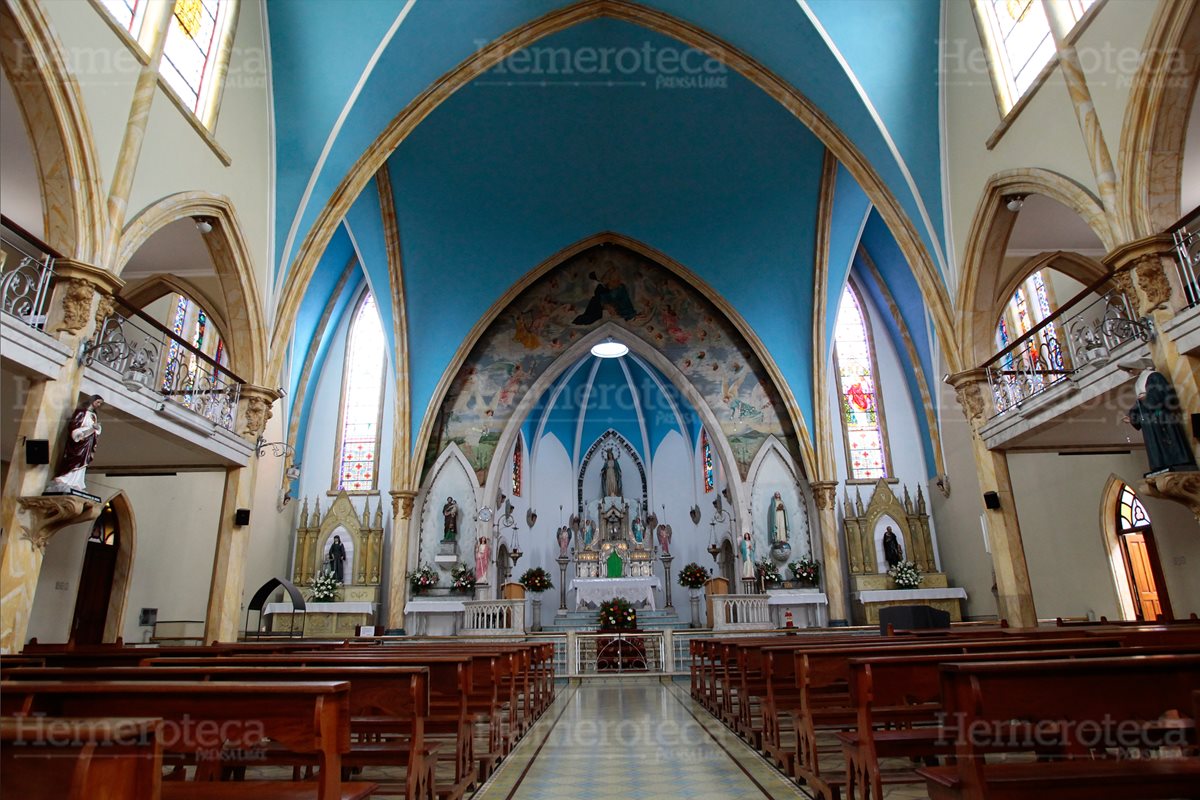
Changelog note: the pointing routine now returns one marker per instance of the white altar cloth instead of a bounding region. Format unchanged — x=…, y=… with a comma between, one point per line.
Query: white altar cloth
x=329, y=608
x=808, y=604
x=433, y=617
x=597, y=590
x=884, y=595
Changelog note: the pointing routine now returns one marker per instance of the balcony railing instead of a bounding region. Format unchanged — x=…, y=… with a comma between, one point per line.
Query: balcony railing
x=1186, y=235
x=26, y=278
x=145, y=354
x=1093, y=327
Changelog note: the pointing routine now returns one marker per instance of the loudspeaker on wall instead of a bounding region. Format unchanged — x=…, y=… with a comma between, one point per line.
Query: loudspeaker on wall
x=37, y=451
x=241, y=516
x=991, y=500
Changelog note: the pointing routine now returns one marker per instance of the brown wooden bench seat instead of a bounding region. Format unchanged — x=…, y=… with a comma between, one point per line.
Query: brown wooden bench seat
x=1094, y=710
x=202, y=719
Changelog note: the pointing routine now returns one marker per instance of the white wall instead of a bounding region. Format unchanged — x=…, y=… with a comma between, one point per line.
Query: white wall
x=21, y=198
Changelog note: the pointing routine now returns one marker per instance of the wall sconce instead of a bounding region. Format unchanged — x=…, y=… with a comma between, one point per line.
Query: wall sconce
x=1014, y=202
x=278, y=449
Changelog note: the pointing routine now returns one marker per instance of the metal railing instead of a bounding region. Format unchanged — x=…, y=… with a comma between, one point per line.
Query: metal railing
x=26, y=278
x=493, y=616
x=1186, y=235
x=1093, y=326
x=619, y=652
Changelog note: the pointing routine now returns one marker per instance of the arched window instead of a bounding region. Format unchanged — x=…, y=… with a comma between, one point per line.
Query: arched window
x=707, y=463
x=1017, y=40
x=517, y=467
x=854, y=362
x=1029, y=305
x=362, y=402
x=1140, y=553
x=191, y=323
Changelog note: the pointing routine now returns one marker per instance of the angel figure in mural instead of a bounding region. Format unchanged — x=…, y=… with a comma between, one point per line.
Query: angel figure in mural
x=483, y=554
x=335, y=560
x=450, y=520
x=747, y=552
x=892, y=552
x=82, y=434
x=610, y=475
x=777, y=521
x=609, y=293
x=664, y=538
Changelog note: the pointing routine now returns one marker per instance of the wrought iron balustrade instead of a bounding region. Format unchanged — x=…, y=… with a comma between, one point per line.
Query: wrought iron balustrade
x=1186, y=235
x=25, y=281
x=144, y=354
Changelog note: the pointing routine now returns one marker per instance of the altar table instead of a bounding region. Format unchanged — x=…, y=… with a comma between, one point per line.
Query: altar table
x=321, y=619
x=597, y=590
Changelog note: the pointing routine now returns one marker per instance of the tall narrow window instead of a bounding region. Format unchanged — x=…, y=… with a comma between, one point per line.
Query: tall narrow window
x=1021, y=315
x=707, y=466
x=194, y=38
x=362, y=395
x=1019, y=43
x=129, y=14
x=517, y=465
x=862, y=415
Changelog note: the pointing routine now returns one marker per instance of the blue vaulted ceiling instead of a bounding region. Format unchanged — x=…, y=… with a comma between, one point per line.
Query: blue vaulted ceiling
x=506, y=172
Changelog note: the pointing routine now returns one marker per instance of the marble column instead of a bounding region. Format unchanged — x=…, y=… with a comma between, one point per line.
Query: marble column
x=45, y=410
x=1013, y=590
x=831, y=550
x=402, y=511
x=233, y=541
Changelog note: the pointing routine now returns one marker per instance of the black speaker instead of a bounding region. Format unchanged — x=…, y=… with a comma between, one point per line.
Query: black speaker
x=991, y=500
x=37, y=451
x=912, y=618
x=241, y=516
x=1196, y=426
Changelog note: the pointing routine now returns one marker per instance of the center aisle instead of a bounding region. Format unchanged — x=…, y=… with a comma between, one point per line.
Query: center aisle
x=632, y=737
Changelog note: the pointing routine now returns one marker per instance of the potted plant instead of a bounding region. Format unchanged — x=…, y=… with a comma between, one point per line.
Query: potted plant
x=693, y=576
x=423, y=579
x=906, y=575
x=462, y=579
x=806, y=571
x=536, y=580
x=767, y=574
x=325, y=588
x=617, y=615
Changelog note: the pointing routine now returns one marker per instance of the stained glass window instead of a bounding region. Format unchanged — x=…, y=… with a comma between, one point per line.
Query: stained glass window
x=706, y=452
x=1019, y=38
x=362, y=391
x=516, y=468
x=854, y=360
x=129, y=14
x=1130, y=511
x=1022, y=316
x=175, y=351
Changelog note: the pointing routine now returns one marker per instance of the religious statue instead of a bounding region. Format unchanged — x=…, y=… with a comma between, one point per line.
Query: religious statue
x=83, y=432
x=564, y=540
x=664, y=538
x=483, y=554
x=1157, y=415
x=589, y=532
x=777, y=523
x=610, y=475
x=335, y=560
x=892, y=552
x=747, y=548
x=639, y=530
x=450, y=517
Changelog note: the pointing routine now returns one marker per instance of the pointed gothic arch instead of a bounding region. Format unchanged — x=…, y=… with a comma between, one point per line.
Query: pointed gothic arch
x=123, y=573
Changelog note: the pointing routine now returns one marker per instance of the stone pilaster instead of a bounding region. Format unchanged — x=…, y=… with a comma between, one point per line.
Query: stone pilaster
x=229, y=561
x=825, y=493
x=402, y=511
x=1014, y=591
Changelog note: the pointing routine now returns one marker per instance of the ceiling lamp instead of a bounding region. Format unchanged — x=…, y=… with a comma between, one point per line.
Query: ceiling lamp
x=609, y=349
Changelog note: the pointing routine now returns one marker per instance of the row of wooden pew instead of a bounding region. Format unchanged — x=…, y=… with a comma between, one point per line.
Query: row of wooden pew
x=1084, y=712
x=189, y=722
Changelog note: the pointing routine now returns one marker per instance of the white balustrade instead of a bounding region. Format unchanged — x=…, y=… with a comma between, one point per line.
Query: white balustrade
x=741, y=612
x=494, y=616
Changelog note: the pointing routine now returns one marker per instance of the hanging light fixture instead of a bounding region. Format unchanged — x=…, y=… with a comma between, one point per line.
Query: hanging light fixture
x=609, y=348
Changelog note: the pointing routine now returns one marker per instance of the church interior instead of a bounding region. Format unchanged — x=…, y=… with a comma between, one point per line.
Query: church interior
x=817, y=385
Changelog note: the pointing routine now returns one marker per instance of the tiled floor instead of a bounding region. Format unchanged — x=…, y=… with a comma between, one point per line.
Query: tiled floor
x=638, y=738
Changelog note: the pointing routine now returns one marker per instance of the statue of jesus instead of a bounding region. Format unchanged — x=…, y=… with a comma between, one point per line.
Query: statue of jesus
x=610, y=475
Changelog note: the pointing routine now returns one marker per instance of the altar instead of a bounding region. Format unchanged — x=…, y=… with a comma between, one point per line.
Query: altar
x=320, y=619
x=433, y=617
x=809, y=607
x=594, y=591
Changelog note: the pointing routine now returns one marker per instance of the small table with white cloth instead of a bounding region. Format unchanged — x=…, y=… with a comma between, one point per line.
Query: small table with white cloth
x=595, y=591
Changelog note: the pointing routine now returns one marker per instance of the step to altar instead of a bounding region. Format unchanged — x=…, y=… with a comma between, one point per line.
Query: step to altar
x=586, y=621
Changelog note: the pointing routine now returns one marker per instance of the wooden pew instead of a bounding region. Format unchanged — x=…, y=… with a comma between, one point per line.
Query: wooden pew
x=201, y=718
x=45, y=758
x=1082, y=707
x=388, y=708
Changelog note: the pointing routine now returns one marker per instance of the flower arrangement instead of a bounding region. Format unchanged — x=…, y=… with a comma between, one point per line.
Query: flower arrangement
x=806, y=570
x=906, y=575
x=425, y=577
x=536, y=580
x=617, y=614
x=766, y=571
x=693, y=576
x=462, y=577
x=324, y=588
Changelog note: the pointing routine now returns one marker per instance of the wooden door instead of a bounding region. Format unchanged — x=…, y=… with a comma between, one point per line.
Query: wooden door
x=1145, y=574
x=95, y=591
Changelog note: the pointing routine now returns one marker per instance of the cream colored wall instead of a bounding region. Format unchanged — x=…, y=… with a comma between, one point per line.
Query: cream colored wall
x=175, y=157
x=271, y=529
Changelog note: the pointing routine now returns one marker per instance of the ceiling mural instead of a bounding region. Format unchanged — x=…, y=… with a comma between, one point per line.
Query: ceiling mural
x=610, y=283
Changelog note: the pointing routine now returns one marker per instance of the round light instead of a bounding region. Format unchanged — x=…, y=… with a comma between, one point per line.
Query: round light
x=609, y=349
